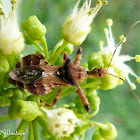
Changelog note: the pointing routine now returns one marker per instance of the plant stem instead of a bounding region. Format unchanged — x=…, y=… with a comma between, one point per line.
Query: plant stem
x=11, y=60
x=54, y=49
x=22, y=126
x=67, y=91
x=37, y=45
x=83, y=136
x=94, y=113
x=101, y=125
x=91, y=84
x=45, y=46
x=21, y=129
x=22, y=137
x=30, y=135
x=4, y=118
x=36, y=130
x=59, y=52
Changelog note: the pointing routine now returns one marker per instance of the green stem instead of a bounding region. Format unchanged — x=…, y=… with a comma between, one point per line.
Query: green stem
x=54, y=49
x=59, y=52
x=83, y=136
x=101, y=125
x=11, y=60
x=45, y=46
x=21, y=129
x=30, y=135
x=22, y=126
x=94, y=113
x=67, y=90
x=22, y=137
x=34, y=42
x=37, y=45
x=4, y=118
x=91, y=84
x=36, y=130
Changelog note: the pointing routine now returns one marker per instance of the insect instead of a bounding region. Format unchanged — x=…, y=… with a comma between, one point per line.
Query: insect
x=39, y=77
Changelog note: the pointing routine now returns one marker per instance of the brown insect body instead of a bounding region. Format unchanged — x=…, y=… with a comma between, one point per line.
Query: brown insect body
x=47, y=75
x=37, y=76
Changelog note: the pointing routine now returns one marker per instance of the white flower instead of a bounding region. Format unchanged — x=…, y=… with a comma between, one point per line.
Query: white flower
x=118, y=60
x=61, y=122
x=11, y=39
x=77, y=25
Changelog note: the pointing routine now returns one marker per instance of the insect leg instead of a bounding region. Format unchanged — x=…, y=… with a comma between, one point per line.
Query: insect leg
x=83, y=98
x=56, y=98
x=78, y=57
x=30, y=60
x=40, y=55
x=65, y=56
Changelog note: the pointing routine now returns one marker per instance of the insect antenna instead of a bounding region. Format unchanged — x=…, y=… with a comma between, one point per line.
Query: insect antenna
x=121, y=42
x=128, y=86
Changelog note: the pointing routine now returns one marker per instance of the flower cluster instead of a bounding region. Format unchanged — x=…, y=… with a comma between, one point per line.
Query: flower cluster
x=66, y=121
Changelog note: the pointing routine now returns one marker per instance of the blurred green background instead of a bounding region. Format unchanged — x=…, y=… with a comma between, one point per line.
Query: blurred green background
x=118, y=106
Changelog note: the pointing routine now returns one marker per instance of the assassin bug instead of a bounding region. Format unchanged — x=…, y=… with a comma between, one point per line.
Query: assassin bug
x=39, y=77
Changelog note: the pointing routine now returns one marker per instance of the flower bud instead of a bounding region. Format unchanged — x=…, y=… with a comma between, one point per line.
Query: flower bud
x=27, y=39
x=110, y=82
x=11, y=40
x=133, y=86
x=138, y=79
x=104, y=2
x=108, y=132
x=69, y=48
x=95, y=61
x=27, y=110
x=106, y=58
x=106, y=31
x=85, y=65
x=4, y=101
x=122, y=38
x=13, y=1
x=34, y=28
x=77, y=25
x=101, y=43
x=4, y=65
x=109, y=22
x=61, y=122
x=137, y=57
x=90, y=91
x=96, y=135
x=8, y=92
x=19, y=94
